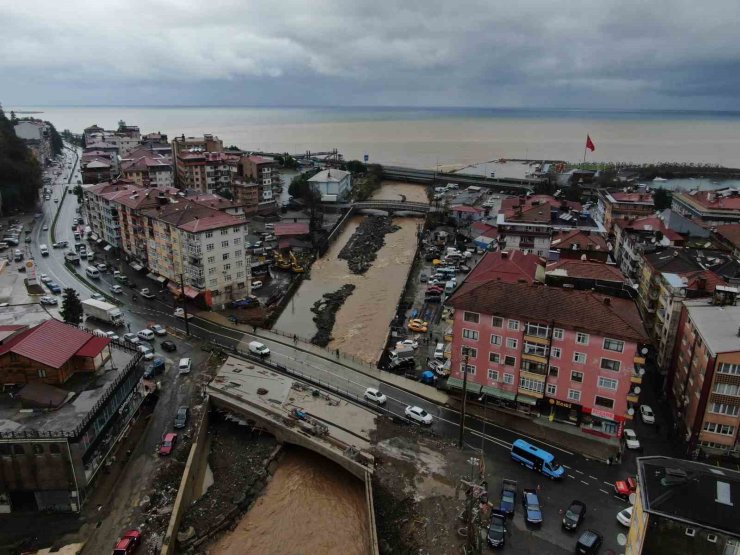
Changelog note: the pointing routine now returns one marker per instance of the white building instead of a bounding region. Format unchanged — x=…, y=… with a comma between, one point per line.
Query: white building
x=333, y=185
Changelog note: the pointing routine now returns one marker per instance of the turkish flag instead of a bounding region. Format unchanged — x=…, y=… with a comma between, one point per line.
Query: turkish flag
x=590, y=144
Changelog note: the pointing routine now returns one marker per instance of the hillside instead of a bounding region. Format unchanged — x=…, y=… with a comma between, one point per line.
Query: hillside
x=20, y=174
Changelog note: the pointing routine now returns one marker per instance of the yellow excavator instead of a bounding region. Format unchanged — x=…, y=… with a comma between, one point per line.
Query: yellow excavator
x=295, y=267
x=282, y=262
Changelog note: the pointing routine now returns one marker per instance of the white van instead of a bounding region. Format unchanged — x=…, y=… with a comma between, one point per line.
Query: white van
x=92, y=272
x=44, y=250
x=259, y=349
x=90, y=255
x=439, y=351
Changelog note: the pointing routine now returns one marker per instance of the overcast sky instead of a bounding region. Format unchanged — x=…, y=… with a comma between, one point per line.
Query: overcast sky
x=531, y=53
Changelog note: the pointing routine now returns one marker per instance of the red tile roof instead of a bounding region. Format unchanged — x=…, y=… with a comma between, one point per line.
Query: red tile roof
x=289, y=228
x=648, y=223
x=621, y=196
x=465, y=208
x=485, y=230
x=569, y=308
x=586, y=269
x=712, y=200
x=731, y=232
x=509, y=205
x=53, y=343
x=510, y=267
x=193, y=217
x=93, y=348
x=583, y=239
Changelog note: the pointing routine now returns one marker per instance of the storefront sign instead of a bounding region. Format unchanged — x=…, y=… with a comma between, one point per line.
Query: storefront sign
x=602, y=414
x=562, y=404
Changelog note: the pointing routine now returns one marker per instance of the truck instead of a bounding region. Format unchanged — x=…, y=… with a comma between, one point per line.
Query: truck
x=401, y=352
x=531, y=504
x=508, y=496
x=72, y=258
x=100, y=310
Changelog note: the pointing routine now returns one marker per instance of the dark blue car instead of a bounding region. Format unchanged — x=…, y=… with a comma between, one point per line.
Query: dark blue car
x=54, y=287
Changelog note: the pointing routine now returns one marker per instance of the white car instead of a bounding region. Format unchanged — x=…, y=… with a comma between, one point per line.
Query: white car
x=624, y=517
x=408, y=343
x=131, y=338
x=418, y=414
x=97, y=297
x=630, y=438
x=117, y=289
x=46, y=299
x=146, y=351
x=44, y=278
x=374, y=395
x=101, y=267
x=112, y=335
x=45, y=228
x=99, y=333
x=647, y=414
x=145, y=335
x=158, y=330
x=256, y=284
x=184, y=366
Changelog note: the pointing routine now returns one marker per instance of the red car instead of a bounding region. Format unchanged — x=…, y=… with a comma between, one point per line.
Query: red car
x=623, y=488
x=168, y=444
x=128, y=543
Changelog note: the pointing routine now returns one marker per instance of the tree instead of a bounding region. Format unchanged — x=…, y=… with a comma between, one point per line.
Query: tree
x=300, y=187
x=354, y=167
x=20, y=173
x=71, y=310
x=225, y=193
x=662, y=199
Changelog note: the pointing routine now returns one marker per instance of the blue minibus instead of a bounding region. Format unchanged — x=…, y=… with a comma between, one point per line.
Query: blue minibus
x=537, y=459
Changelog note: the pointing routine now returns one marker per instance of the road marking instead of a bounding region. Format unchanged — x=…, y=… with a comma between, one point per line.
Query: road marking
x=571, y=477
x=579, y=472
x=586, y=483
x=604, y=491
x=566, y=466
x=608, y=483
x=593, y=477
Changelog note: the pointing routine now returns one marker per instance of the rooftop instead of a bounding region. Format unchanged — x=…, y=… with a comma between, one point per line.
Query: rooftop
x=691, y=492
x=586, y=270
x=255, y=159
x=730, y=232
x=578, y=239
x=727, y=199
x=510, y=267
x=718, y=325
x=574, y=309
x=289, y=228
x=466, y=209
x=652, y=224
x=630, y=198
x=332, y=175
x=193, y=217
x=680, y=261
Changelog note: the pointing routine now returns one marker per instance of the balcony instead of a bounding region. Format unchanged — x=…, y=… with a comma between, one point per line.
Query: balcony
x=633, y=396
x=534, y=358
x=536, y=339
x=637, y=373
x=538, y=370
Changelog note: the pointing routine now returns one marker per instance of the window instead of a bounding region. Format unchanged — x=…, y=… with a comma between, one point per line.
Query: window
x=534, y=367
x=582, y=338
x=535, y=349
x=494, y=357
x=604, y=402
x=613, y=345
x=211, y=259
x=497, y=322
x=42, y=373
x=235, y=229
x=472, y=317
x=727, y=368
x=576, y=376
x=209, y=234
x=237, y=240
x=510, y=361
x=574, y=395
x=213, y=283
x=493, y=375
x=227, y=266
x=537, y=330
x=608, y=364
x=554, y=371
x=224, y=244
x=5, y=449
x=608, y=383
x=551, y=389
x=723, y=429
x=723, y=408
x=558, y=333
x=555, y=352
x=727, y=389
x=712, y=538
x=38, y=449
x=211, y=271
x=470, y=334
x=470, y=351
x=224, y=232
x=580, y=358
x=210, y=247
x=470, y=369
x=509, y=379
x=495, y=340
x=531, y=385
x=690, y=532
x=513, y=325
x=511, y=343
x=238, y=253
x=225, y=256
x=239, y=275
x=239, y=263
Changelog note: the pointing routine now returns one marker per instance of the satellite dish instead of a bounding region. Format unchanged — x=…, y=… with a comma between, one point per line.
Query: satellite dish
x=644, y=351
x=621, y=539
x=633, y=498
x=631, y=411
x=642, y=371
x=637, y=390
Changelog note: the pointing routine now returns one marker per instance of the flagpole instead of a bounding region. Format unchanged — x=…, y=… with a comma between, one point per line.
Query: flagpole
x=585, y=148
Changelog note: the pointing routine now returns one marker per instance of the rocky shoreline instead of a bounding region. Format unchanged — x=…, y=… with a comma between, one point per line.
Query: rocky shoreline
x=369, y=237
x=325, y=310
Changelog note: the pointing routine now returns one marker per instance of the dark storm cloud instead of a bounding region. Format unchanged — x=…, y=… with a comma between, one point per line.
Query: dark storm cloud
x=610, y=53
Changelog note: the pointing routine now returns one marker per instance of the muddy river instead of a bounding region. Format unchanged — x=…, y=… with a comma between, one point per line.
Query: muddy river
x=362, y=322
x=310, y=506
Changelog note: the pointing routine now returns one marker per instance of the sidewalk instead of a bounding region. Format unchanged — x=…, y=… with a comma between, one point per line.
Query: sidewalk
x=427, y=392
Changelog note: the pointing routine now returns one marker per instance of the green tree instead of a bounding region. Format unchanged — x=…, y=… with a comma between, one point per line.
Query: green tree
x=71, y=310
x=56, y=140
x=20, y=173
x=354, y=167
x=78, y=191
x=225, y=193
x=300, y=187
x=662, y=199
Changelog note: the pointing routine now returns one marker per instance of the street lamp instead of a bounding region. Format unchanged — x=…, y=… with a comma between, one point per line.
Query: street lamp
x=464, y=397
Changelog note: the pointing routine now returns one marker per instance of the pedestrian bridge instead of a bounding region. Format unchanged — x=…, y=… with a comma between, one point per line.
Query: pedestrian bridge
x=393, y=206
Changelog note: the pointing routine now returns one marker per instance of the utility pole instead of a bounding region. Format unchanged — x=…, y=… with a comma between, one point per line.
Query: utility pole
x=184, y=305
x=464, y=399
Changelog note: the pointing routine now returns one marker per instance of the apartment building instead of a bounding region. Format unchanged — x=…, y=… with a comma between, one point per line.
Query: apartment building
x=729, y=236
x=246, y=194
x=202, y=246
x=718, y=207
x=616, y=205
x=96, y=166
x=684, y=507
x=263, y=171
x=704, y=378
x=148, y=168
x=133, y=225
x=580, y=245
x=184, y=167
x=125, y=139
x=102, y=210
x=573, y=355
x=207, y=172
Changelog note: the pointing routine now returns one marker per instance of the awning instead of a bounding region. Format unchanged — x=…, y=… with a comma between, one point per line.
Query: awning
x=526, y=399
x=156, y=278
x=456, y=383
x=500, y=393
x=106, y=248
x=190, y=292
x=136, y=266
x=98, y=241
x=93, y=237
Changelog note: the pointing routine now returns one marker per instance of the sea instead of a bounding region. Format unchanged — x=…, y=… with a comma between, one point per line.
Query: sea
x=435, y=137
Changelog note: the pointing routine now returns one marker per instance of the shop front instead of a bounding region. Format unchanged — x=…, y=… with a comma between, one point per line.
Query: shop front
x=601, y=423
x=562, y=411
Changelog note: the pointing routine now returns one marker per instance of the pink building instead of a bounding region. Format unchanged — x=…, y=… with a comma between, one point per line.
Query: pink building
x=572, y=355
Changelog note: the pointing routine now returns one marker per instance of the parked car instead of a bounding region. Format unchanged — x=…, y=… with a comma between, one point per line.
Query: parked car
x=401, y=364
x=418, y=325
x=624, y=488
x=154, y=368
x=168, y=444
x=128, y=543
x=374, y=395
x=146, y=293
x=419, y=415
x=45, y=227
x=158, y=330
x=184, y=366
x=413, y=343
x=101, y=267
x=116, y=289
x=508, y=496
x=589, y=542
x=646, y=414
x=574, y=515
x=97, y=297
x=497, y=529
x=624, y=517
x=46, y=299
x=531, y=504
x=630, y=438
x=113, y=336
x=54, y=287
x=146, y=350
x=245, y=302
x=131, y=338
x=180, y=313
x=145, y=335
x=168, y=346
x=423, y=277
x=256, y=284
x=60, y=245
x=181, y=418
x=43, y=278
